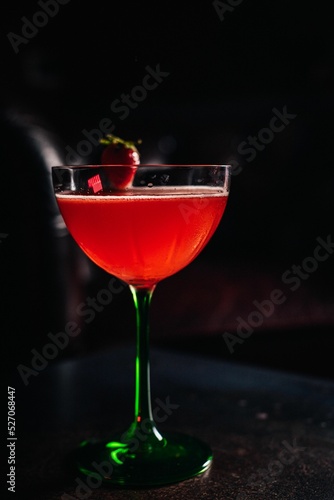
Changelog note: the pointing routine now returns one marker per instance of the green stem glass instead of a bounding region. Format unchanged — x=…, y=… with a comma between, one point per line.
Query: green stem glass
x=142, y=299
x=142, y=456
x=143, y=408
x=142, y=234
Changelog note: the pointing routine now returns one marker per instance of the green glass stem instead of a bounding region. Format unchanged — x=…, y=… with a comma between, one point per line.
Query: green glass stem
x=143, y=425
x=141, y=456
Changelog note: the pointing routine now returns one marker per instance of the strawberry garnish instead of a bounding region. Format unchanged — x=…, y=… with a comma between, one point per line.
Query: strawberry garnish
x=123, y=157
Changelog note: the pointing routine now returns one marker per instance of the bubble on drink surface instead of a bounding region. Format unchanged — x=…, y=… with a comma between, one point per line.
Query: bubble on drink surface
x=150, y=184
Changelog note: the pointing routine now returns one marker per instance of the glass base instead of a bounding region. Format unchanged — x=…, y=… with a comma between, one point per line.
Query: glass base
x=175, y=458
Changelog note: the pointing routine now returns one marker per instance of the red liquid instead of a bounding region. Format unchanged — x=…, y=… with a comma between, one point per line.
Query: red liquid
x=141, y=238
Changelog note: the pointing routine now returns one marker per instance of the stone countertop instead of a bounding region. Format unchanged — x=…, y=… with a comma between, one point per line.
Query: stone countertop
x=271, y=432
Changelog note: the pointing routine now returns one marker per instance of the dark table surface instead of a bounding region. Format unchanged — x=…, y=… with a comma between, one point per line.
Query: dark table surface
x=271, y=432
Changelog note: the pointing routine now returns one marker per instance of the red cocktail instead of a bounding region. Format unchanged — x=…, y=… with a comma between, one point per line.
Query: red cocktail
x=143, y=236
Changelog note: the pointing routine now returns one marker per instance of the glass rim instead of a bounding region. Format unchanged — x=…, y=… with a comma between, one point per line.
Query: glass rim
x=145, y=165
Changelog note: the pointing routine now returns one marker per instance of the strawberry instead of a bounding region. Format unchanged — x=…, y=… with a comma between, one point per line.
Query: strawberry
x=124, y=156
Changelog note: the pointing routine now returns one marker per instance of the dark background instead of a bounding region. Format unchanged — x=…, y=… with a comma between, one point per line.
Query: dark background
x=227, y=72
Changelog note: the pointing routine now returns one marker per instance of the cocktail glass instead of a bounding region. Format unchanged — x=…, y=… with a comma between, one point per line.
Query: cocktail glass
x=142, y=235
